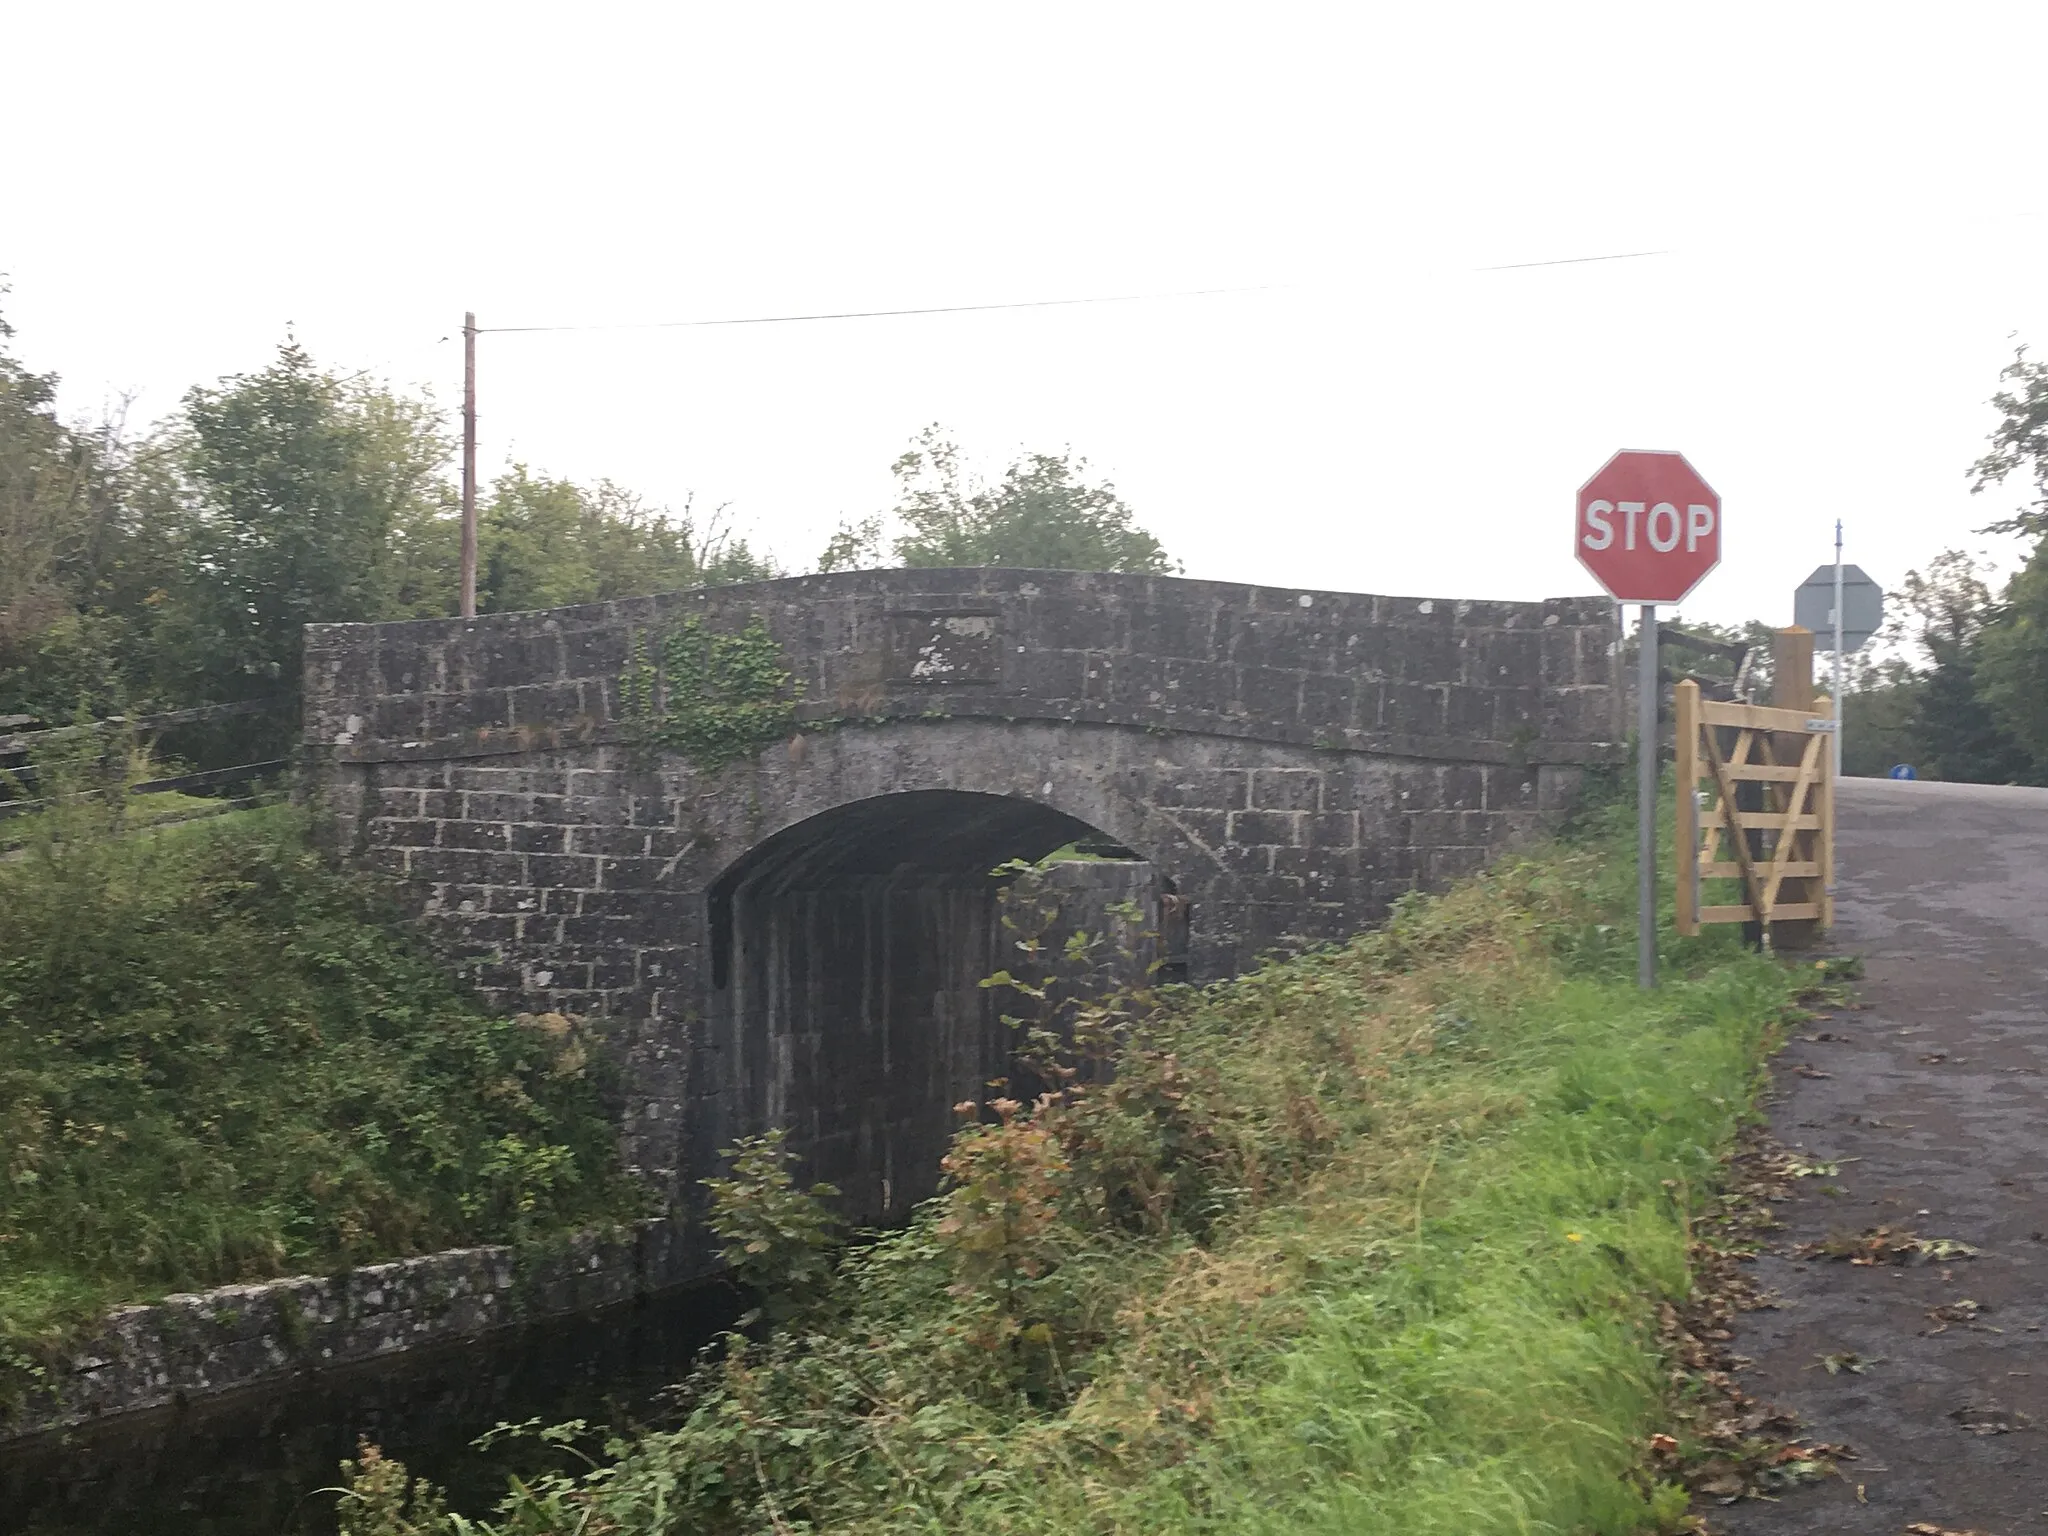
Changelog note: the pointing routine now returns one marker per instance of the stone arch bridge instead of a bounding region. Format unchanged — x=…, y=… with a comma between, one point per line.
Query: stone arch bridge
x=783, y=895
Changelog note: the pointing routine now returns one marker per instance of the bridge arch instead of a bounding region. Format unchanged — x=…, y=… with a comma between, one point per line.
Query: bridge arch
x=843, y=997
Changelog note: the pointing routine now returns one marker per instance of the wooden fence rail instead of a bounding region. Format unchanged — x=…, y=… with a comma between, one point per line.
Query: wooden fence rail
x=211, y=778
x=19, y=775
x=21, y=743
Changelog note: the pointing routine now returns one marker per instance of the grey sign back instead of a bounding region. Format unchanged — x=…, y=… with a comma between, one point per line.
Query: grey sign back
x=1813, y=607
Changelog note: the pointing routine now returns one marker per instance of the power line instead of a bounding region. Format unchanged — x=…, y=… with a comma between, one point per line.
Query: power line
x=969, y=309
x=1570, y=261
x=882, y=314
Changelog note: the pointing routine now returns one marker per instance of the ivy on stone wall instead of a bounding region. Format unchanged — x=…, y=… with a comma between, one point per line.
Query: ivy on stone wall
x=714, y=698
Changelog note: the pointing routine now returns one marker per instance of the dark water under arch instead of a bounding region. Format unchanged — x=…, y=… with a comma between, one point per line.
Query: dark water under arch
x=251, y=1463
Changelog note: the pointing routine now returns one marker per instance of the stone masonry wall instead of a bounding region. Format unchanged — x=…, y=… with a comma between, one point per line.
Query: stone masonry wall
x=214, y=1341
x=1288, y=761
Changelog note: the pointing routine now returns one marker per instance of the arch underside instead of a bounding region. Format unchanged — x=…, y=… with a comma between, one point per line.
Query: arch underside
x=844, y=997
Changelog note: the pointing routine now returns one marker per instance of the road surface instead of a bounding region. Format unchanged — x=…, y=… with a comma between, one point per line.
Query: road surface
x=1936, y=1106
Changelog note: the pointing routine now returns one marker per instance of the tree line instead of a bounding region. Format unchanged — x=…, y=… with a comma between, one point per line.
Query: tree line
x=177, y=567
x=1961, y=689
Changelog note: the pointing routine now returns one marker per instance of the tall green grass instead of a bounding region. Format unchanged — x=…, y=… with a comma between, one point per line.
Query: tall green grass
x=220, y=1061
x=1497, y=1371
x=1371, y=1240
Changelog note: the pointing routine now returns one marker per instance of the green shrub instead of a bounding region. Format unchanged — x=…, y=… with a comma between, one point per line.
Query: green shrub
x=778, y=1240
x=221, y=1061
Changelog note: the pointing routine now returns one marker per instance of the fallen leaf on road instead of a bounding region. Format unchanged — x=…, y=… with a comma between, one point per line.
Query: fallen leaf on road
x=1942, y=1249
x=1727, y=1445
x=1722, y=1485
x=1847, y=1360
x=1925, y=1528
x=1805, y=1071
x=1964, y=1311
x=1990, y=1419
x=1884, y=1245
x=1793, y=1168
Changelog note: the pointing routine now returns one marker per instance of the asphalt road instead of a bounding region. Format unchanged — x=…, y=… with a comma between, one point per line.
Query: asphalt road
x=1936, y=1106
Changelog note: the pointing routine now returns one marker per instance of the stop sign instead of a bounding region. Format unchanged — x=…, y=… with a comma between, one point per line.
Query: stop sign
x=1648, y=527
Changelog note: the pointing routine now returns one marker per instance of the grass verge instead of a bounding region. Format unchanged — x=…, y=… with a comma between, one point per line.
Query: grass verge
x=1373, y=1240
x=221, y=1061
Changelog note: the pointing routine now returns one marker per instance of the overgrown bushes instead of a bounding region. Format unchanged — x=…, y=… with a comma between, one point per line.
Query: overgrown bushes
x=1370, y=1240
x=220, y=1061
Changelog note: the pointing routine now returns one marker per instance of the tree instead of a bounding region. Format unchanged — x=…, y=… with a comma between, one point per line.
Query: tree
x=2019, y=443
x=543, y=543
x=1042, y=515
x=1945, y=613
x=47, y=476
x=2013, y=649
x=51, y=490
x=2012, y=662
x=853, y=546
x=300, y=484
x=79, y=562
x=182, y=569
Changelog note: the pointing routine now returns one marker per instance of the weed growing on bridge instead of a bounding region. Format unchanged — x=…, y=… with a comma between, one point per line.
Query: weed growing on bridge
x=1372, y=1240
x=715, y=698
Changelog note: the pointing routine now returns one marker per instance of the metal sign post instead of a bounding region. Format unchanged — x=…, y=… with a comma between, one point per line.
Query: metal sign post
x=1646, y=799
x=1835, y=687
x=1844, y=608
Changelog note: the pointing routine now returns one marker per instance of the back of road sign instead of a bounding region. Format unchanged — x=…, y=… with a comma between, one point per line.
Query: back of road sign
x=1813, y=607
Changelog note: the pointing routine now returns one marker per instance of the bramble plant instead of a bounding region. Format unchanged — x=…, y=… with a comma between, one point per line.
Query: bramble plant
x=779, y=1239
x=1079, y=1001
x=1001, y=1222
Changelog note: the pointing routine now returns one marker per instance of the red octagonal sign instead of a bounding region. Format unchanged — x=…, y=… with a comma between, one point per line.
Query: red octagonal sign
x=1648, y=527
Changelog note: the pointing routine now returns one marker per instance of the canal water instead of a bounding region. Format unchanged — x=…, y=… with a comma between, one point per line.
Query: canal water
x=253, y=1463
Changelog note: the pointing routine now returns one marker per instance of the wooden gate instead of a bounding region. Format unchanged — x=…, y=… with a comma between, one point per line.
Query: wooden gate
x=1778, y=840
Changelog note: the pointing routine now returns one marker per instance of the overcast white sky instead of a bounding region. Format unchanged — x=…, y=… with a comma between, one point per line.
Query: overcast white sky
x=1848, y=194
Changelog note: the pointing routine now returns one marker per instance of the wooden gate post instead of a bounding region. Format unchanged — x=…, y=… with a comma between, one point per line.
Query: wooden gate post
x=1685, y=869
x=1792, y=668
x=1791, y=688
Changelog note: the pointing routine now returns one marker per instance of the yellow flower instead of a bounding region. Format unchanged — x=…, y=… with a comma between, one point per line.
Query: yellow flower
x=1572, y=1237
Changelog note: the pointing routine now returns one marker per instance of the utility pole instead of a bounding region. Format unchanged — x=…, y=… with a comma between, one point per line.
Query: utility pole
x=469, y=465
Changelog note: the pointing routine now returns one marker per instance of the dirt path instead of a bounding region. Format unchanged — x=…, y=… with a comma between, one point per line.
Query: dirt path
x=1935, y=1103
